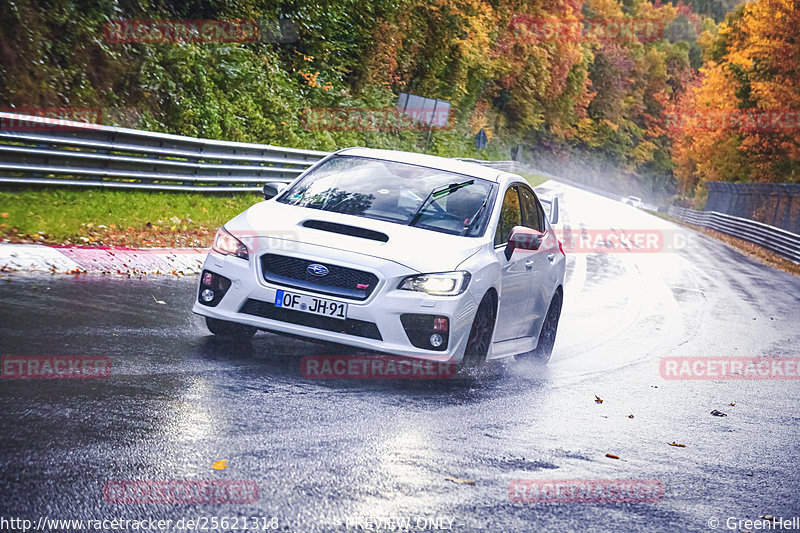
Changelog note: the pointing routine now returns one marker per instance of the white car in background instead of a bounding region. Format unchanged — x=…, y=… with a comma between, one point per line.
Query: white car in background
x=635, y=201
x=396, y=252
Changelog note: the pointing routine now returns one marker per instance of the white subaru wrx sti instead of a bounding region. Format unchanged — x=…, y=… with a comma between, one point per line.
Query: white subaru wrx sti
x=400, y=253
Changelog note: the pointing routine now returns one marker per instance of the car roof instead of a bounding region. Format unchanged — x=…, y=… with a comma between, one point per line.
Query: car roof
x=431, y=161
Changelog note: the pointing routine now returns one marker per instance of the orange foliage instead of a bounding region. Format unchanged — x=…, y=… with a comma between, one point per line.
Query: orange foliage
x=758, y=73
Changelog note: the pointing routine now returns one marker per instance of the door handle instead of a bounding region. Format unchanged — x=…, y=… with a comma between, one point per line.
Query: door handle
x=528, y=265
x=551, y=257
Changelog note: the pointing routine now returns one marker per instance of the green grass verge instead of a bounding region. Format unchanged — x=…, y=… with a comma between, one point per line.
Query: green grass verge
x=103, y=216
x=122, y=217
x=533, y=179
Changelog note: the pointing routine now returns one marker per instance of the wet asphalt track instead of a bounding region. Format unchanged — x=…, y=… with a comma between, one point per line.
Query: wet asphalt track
x=322, y=451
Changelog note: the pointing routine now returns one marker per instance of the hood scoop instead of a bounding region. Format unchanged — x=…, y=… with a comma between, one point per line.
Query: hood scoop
x=344, y=229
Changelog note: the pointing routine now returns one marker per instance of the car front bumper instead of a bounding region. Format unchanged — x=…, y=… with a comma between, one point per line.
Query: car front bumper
x=250, y=298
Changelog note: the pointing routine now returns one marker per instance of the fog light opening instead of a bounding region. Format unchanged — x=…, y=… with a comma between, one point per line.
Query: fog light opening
x=436, y=340
x=207, y=295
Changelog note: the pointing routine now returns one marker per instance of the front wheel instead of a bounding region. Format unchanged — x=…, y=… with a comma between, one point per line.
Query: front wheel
x=547, y=338
x=480, y=336
x=230, y=330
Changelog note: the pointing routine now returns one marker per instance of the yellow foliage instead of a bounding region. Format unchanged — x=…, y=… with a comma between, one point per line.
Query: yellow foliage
x=762, y=55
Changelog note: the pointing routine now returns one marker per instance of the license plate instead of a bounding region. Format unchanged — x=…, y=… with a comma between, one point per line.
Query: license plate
x=311, y=304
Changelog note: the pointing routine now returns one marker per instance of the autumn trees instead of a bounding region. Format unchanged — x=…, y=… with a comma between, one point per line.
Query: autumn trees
x=607, y=79
x=739, y=120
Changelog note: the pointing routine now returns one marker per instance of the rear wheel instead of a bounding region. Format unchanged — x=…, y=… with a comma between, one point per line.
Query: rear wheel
x=231, y=330
x=480, y=335
x=547, y=338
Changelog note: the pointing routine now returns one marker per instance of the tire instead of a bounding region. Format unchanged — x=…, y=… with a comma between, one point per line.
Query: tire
x=480, y=335
x=230, y=330
x=547, y=337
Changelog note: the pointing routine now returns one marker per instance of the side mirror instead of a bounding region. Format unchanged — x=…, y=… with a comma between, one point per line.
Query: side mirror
x=272, y=189
x=554, y=211
x=553, y=208
x=522, y=238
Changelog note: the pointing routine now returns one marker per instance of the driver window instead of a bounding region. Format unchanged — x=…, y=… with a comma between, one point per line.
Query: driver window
x=510, y=216
x=534, y=215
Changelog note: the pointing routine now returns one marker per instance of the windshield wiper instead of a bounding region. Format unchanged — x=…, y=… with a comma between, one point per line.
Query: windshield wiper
x=476, y=216
x=435, y=194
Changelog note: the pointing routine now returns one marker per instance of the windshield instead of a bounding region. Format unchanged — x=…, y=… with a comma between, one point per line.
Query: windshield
x=395, y=192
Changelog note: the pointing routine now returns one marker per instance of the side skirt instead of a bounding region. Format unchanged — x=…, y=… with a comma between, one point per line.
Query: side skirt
x=511, y=347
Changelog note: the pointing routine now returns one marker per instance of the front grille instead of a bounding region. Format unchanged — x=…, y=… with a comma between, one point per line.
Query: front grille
x=349, y=326
x=340, y=281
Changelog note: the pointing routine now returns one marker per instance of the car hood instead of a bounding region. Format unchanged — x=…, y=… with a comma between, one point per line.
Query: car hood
x=419, y=249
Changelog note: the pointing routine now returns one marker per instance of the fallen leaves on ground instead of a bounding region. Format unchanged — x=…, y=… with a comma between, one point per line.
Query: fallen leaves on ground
x=114, y=236
x=220, y=465
x=598, y=399
x=612, y=456
x=459, y=480
x=673, y=443
x=162, y=302
x=760, y=254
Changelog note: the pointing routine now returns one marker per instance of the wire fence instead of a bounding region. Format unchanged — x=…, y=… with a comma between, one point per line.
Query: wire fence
x=776, y=204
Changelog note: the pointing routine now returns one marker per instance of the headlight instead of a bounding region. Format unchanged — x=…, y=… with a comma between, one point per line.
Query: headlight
x=227, y=244
x=444, y=284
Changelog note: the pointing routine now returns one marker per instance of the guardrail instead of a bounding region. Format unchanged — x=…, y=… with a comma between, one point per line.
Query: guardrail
x=45, y=151
x=505, y=166
x=780, y=241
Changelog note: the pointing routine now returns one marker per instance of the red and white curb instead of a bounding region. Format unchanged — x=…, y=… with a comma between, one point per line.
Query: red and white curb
x=85, y=259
